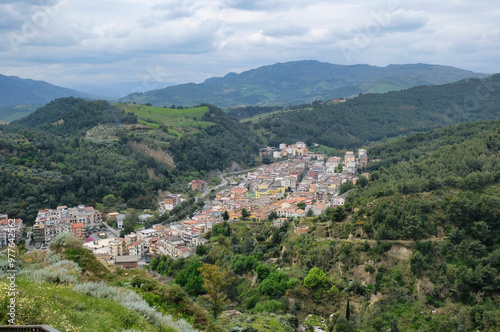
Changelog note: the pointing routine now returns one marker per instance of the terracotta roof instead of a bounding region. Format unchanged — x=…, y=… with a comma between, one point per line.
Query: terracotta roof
x=6, y=221
x=183, y=248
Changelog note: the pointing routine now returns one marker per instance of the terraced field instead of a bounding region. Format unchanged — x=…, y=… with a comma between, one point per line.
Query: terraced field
x=179, y=121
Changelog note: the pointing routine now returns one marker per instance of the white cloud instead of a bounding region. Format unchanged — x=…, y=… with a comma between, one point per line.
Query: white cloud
x=80, y=41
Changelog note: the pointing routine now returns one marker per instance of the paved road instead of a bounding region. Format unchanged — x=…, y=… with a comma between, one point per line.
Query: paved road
x=113, y=231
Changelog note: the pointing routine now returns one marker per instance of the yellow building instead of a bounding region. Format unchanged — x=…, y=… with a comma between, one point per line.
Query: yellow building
x=274, y=191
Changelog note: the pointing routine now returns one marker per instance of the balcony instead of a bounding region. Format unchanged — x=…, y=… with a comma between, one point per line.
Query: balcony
x=27, y=328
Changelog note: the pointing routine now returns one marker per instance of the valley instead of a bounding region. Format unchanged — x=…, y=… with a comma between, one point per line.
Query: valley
x=391, y=226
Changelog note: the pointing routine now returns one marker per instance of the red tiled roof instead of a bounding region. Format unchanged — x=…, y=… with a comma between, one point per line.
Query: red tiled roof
x=6, y=221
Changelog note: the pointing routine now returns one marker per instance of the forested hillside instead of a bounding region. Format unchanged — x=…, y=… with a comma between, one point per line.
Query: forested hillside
x=413, y=249
x=217, y=146
x=372, y=117
x=73, y=151
x=69, y=116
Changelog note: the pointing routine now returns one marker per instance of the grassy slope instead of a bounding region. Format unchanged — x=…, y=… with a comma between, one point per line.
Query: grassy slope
x=63, y=308
x=182, y=120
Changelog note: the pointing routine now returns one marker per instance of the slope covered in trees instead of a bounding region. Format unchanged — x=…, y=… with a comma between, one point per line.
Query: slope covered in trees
x=72, y=115
x=413, y=249
x=73, y=151
x=217, y=146
x=372, y=117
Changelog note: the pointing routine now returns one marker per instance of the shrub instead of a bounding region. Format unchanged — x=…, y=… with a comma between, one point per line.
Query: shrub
x=68, y=266
x=58, y=276
x=268, y=306
x=52, y=257
x=132, y=301
x=64, y=241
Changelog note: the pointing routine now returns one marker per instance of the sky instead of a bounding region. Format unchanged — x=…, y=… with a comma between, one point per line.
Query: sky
x=71, y=42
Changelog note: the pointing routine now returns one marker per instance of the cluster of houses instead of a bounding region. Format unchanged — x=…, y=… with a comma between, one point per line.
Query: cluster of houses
x=309, y=182
x=304, y=184
x=9, y=226
x=298, y=149
x=176, y=240
x=78, y=220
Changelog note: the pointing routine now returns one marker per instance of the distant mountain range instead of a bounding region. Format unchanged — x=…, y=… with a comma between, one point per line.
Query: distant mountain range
x=18, y=91
x=20, y=97
x=289, y=83
x=298, y=82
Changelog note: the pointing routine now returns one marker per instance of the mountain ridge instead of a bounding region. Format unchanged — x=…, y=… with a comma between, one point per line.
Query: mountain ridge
x=16, y=91
x=299, y=82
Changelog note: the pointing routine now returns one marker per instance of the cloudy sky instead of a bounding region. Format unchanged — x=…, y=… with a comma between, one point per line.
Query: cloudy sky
x=70, y=42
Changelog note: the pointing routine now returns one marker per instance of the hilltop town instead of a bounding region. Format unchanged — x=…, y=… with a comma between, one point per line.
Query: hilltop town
x=297, y=184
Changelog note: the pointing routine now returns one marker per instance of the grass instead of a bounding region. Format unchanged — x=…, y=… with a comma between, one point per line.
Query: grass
x=67, y=310
x=259, y=117
x=322, y=149
x=260, y=322
x=149, y=124
x=180, y=120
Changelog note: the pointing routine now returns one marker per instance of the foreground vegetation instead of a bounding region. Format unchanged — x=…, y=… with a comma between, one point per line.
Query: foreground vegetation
x=69, y=289
x=413, y=249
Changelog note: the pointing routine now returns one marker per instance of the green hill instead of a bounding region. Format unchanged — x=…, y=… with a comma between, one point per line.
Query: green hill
x=73, y=151
x=72, y=115
x=373, y=117
x=300, y=82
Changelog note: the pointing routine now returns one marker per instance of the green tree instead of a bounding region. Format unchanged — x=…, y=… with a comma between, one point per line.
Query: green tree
x=339, y=213
x=190, y=278
x=225, y=216
x=215, y=281
x=128, y=227
x=273, y=215
x=202, y=250
x=316, y=278
x=345, y=187
x=302, y=205
x=248, y=245
x=417, y=263
x=245, y=214
x=362, y=182
x=347, y=311
x=109, y=200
